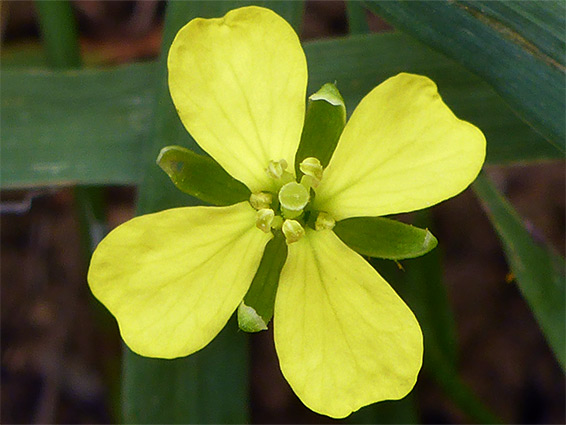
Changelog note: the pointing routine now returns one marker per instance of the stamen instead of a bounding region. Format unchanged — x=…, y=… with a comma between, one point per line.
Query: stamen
x=293, y=231
x=309, y=181
x=311, y=167
x=261, y=200
x=264, y=219
x=275, y=169
x=324, y=221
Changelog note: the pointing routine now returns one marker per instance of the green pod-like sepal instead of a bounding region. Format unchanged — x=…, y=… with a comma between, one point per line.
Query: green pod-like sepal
x=384, y=238
x=201, y=177
x=257, y=308
x=249, y=320
x=324, y=121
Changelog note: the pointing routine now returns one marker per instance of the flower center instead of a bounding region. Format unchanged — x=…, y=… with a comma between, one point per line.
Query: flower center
x=289, y=210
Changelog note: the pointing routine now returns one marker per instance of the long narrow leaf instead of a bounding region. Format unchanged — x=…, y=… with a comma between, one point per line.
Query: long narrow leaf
x=63, y=128
x=539, y=271
x=207, y=387
x=357, y=18
x=59, y=33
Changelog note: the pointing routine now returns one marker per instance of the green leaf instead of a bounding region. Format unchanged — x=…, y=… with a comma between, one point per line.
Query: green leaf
x=543, y=26
x=208, y=387
x=261, y=295
x=200, y=176
x=518, y=47
x=447, y=376
x=87, y=126
x=427, y=292
x=538, y=270
x=59, y=33
x=357, y=18
x=74, y=127
x=384, y=238
x=324, y=121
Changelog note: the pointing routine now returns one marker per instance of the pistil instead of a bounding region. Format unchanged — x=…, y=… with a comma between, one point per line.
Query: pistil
x=293, y=198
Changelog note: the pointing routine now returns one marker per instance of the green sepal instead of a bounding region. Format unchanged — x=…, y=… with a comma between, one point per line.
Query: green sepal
x=324, y=121
x=201, y=177
x=260, y=299
x=249, y=320
x=384, y=238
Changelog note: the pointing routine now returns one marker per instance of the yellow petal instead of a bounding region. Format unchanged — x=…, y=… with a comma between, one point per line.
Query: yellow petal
x=239, y=85
x=402, y=150
x=174, y=278
x=343, y=336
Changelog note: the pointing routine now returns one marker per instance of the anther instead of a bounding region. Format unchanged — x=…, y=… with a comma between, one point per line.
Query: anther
x=275, y=169
x=293, y=231
x=261, y=200
x=311, y=167
x=264, y=219
x=324, y=221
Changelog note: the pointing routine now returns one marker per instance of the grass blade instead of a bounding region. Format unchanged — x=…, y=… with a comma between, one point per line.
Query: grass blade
x=357, y=18
x=59, y=33
x=538, y=270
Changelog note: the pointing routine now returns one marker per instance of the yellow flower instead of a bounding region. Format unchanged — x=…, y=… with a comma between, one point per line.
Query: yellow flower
x=173, y=279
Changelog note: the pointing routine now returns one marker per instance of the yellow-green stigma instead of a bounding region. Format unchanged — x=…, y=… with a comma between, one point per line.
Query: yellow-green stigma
x=293, y=198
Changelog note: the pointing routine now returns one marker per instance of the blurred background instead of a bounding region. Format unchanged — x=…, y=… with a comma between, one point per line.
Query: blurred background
x=61, y=352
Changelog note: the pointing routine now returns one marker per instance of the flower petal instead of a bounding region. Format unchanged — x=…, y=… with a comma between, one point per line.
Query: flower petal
x=174, y=278
x=239, y=85
x=402, y=150
x=343, y=336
